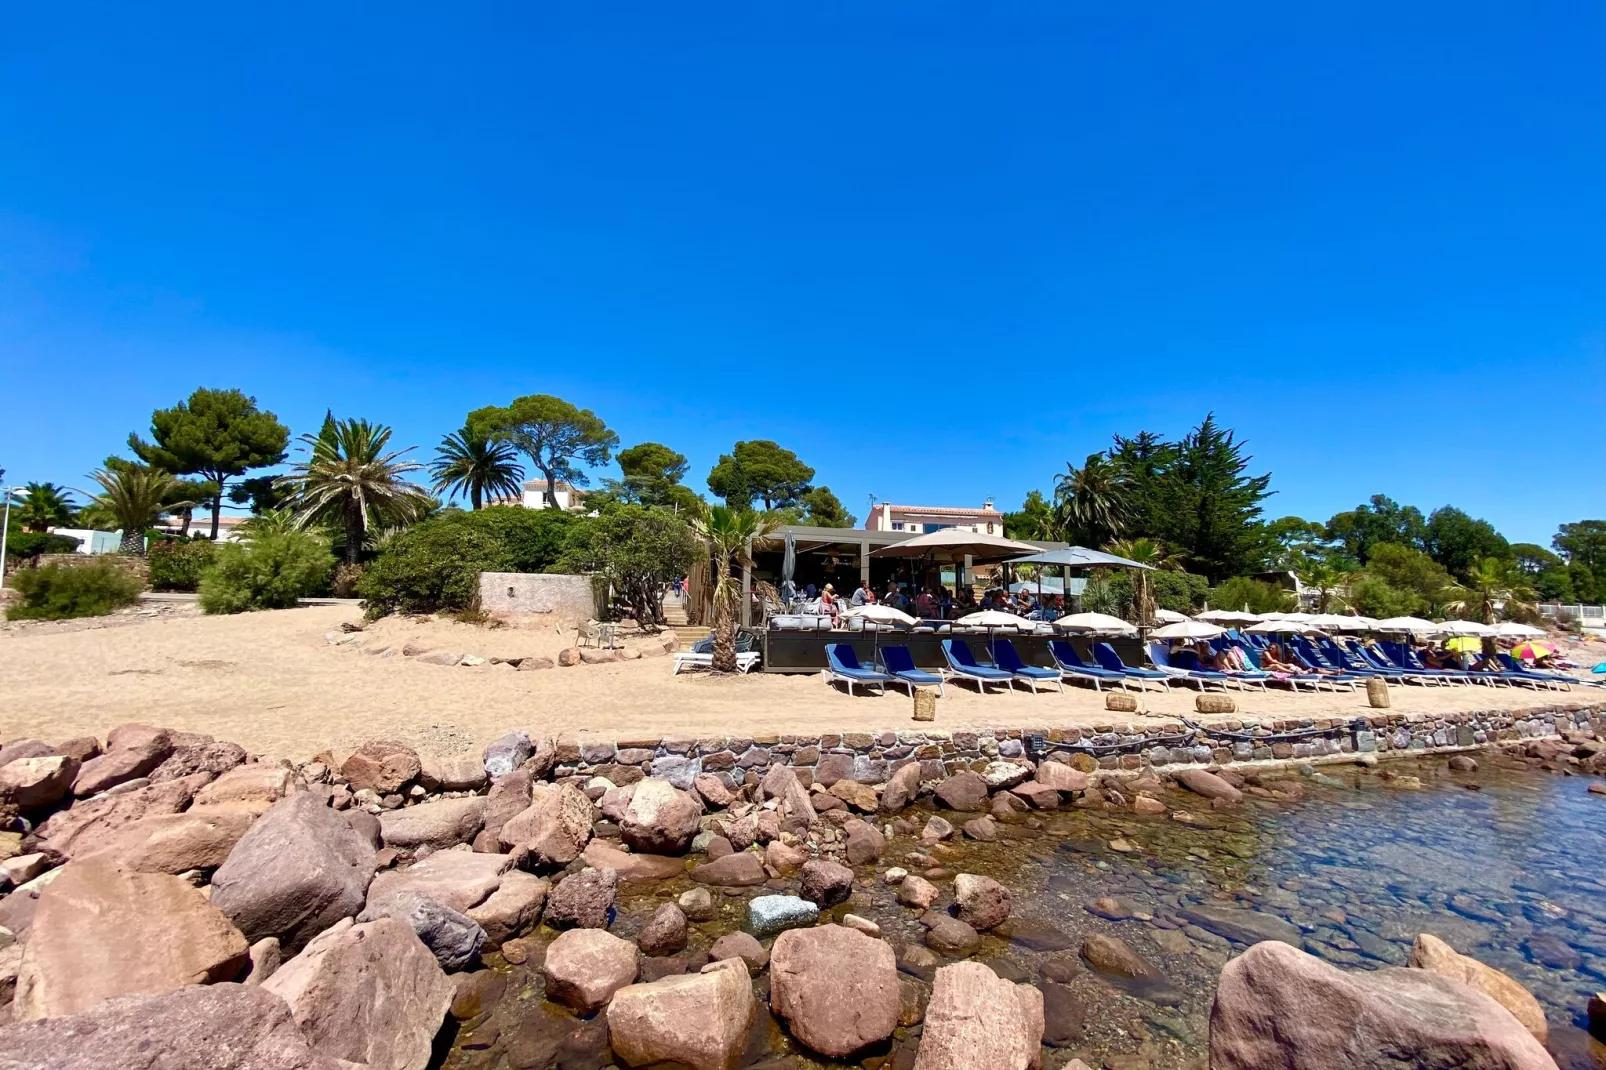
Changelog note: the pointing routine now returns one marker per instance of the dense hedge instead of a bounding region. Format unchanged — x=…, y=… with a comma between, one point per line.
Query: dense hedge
x=177, y=564
x=58, y=592
x=24, y=544
x=435, y=566
x=269, y=572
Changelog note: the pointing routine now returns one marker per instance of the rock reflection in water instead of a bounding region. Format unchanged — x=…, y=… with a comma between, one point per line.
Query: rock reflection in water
x=1127, y=944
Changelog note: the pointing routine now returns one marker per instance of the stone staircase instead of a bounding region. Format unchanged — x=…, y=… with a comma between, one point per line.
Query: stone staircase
x=675, y=617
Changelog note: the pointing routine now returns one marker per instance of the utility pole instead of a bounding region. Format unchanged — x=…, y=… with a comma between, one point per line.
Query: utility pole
x=5, y=529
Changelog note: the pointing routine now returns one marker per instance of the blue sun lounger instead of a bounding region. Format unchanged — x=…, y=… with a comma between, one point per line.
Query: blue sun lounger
x=1107, y=658
x=1007, y=658
x=1072, y=664
x=1518, y=670
x=844, y=665
x=1161, y=659
x=900, y=665
x=962, y=663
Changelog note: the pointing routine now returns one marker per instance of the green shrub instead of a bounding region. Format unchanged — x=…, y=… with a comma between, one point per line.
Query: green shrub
x=435, y=566
x=25, y=544
x=1258, y=595
x=431, y=567
x=344, y=584
x=269, y=572
x=177, y=564
x=1374, y=596
x=58, y=592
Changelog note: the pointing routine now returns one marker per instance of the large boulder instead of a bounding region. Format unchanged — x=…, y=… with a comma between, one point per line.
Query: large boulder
x=554, y=829
x=661, y=819
x=836, y=988
x=585, y=967
x=664, y=933
x=795, y=810
x=454, y=938
x=508, y=797
x=132, y=750
x=461, y=880
x=102, y=931
x=863, y=842
x=250, y=787
x=982, y=901
x=369, y=993
x=824, y=882
x=1277, y=1006
x=1431, y=953
x=965, y=791
x=506, y=754
x=381, y=765
x=176, y=843
x=739, y=870
x=600, y=854
x=901, y=788
x=200, y=1027
x=583, y=900
x=445, y=823
x=299, y=869
x=32, y=782
x=698, y=1019
x=1202, y=782
x=513, y=909
x=458, y=772
x=92, y=823
x=1061, y=777
x=977, y=1019
x=214, y=759
x=19, y=749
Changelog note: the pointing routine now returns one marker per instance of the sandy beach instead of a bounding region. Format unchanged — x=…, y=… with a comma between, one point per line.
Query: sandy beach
x=271, y=682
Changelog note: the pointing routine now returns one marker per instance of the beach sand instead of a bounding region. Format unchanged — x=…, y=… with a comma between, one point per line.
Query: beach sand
x=271, y=682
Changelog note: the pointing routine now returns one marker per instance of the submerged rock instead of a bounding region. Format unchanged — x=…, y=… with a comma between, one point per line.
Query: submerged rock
x=770, y=914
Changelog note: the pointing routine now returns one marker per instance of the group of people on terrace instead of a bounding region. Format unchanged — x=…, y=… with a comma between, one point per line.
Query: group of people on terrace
x=939, y=602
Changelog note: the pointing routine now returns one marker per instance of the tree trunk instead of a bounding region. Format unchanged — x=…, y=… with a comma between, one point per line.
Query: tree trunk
x=474, y=496
x=724, y=636
x=133, y=543
x=551, y=490
x=217, y=507
x=354, y=532
x=184, y=526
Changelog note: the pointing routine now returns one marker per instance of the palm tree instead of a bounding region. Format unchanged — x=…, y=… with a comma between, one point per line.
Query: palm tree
x=43, y=506
x=1149, y=552
x=348, y=478
x=1326, y=579
x=1093, y=502
x=1493, y=584
x=729, y=536
x=267, y=522
x=134, y=496
x=468, y=461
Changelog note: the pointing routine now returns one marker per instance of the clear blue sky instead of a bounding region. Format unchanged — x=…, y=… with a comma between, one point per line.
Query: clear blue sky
x=938, y=248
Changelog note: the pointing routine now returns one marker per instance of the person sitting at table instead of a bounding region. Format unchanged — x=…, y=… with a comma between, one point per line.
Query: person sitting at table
x=1023, y=602
x=965, y=603
x=926, y=603
x=862, y=594
x=830, y=605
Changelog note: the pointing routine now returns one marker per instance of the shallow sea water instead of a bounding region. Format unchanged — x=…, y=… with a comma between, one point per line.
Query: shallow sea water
x=1510, y=873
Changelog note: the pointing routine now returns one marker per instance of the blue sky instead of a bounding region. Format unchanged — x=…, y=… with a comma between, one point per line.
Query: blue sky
x=937, y=248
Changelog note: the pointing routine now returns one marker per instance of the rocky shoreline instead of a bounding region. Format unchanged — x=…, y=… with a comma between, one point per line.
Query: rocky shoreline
x=168, y=894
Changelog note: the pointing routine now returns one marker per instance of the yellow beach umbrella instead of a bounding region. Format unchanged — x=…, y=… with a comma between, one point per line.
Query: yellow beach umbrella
x=1465, y=644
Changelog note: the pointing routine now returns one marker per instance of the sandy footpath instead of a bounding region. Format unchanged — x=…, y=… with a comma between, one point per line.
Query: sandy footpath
x=270, y=682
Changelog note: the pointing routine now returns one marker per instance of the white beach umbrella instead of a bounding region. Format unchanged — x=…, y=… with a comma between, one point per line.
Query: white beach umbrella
x=1410, y=625
x=1295, y=616
x=995, y=618
x=1465, y=627
x=1284, y=627
x=1227, y=616
x=1512, y=630
x=1169, y=616
x=1356, y=623
x=1095, y=623
x=1188, y=629
x=881, y=614
x=1333, y=622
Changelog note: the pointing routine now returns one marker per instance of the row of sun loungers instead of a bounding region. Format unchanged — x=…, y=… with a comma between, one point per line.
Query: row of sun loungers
x=1330, y=665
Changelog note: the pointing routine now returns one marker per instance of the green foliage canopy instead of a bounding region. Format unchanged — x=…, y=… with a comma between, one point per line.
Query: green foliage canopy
x=218, y=434
x=761, y=470
x=269, y=572
x=556, y=435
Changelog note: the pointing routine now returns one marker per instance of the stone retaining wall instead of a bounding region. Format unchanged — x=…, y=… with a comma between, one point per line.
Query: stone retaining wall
x=513, y=594
x=871, y=757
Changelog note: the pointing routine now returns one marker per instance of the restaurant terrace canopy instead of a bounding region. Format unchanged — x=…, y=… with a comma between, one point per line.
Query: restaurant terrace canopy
x=956, y=544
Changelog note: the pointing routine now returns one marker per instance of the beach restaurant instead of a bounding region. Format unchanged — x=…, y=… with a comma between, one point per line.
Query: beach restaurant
x=796, y=562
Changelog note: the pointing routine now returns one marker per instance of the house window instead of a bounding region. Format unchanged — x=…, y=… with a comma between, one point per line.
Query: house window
x=989, y=529
x=897, y=525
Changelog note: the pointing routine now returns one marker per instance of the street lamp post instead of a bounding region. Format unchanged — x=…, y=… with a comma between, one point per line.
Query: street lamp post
x=5, y=529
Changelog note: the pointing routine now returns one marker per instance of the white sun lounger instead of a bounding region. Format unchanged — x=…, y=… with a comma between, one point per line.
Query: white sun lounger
x=744, y=662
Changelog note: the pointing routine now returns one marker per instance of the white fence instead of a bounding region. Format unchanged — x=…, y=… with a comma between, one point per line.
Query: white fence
x=1588, y=616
